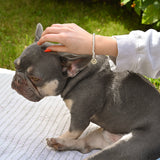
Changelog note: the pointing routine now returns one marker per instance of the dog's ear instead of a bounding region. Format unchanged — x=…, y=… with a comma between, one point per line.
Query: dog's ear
x=39, y=31
x=73, y=64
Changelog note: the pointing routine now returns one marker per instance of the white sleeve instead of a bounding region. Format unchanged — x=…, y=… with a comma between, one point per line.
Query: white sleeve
x=139, y=52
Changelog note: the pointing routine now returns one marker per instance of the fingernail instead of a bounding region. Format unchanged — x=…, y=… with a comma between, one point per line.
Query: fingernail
x=47, y=50
x=38, y=43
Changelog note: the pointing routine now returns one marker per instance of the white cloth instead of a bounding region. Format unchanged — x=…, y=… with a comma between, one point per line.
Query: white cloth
x=25, y=125
x=139, y=52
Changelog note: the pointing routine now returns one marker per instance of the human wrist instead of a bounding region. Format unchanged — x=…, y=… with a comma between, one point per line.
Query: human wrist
x=106, y=45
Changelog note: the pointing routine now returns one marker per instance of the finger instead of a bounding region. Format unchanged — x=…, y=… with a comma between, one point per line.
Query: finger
x=73, y=26
x=69, y=25
x=50, y=38
x=58, y=48
x=51, y=30
x=56, y=25
x=55, y=30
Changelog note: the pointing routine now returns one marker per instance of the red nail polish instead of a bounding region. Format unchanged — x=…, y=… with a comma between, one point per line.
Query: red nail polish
x=38, y=43
x=48, y=50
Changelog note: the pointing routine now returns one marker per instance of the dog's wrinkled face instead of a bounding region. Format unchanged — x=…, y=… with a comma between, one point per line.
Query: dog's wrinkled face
x=40, y=74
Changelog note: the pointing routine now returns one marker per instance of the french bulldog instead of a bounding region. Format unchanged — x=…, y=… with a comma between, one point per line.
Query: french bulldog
x=125, y=105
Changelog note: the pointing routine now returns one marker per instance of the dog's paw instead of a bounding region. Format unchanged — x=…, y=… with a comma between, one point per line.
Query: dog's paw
x=60, y=144
x=56, y=143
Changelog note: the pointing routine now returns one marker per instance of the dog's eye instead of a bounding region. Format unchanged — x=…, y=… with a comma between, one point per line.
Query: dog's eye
x=35, y=79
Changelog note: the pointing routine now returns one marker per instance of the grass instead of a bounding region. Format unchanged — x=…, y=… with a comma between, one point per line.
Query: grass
x=18, y=19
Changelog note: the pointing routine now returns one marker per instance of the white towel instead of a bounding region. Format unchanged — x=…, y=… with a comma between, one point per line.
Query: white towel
x=25, y=125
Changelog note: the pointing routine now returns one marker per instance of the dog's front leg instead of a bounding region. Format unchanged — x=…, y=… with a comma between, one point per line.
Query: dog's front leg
x=79, y=122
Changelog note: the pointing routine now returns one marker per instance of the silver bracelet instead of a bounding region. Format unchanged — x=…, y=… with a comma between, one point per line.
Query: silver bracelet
x=93, y=60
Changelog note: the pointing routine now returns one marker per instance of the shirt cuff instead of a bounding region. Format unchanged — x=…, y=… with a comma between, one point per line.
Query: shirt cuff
x=127, y=57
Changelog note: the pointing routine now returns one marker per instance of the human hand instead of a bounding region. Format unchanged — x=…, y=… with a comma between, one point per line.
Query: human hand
x=73, y=38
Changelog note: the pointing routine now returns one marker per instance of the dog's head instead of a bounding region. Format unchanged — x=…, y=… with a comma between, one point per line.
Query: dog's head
x=39, y=74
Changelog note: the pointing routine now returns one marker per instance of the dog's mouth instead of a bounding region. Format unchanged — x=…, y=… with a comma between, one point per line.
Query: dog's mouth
x=23, y=85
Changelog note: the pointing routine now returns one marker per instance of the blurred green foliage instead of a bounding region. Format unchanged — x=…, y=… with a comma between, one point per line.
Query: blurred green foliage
x=149, y=10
